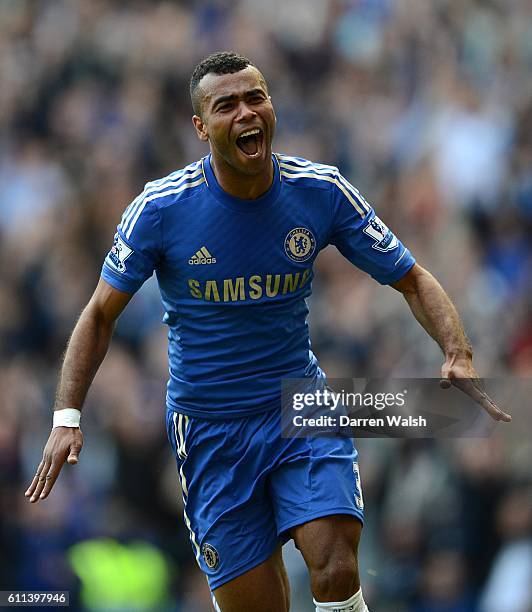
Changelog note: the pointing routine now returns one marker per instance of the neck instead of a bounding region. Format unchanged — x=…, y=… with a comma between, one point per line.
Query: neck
x=239, y=185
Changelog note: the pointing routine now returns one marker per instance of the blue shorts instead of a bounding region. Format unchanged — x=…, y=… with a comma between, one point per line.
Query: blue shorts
x=244, y=487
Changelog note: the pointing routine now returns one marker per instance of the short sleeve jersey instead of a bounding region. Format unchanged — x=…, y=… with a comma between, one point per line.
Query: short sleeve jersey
x=234, y=274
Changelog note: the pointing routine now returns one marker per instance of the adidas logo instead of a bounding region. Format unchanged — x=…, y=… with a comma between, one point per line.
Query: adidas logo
x=202, y=257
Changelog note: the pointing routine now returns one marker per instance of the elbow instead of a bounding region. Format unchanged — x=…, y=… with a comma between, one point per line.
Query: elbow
x=95, y=317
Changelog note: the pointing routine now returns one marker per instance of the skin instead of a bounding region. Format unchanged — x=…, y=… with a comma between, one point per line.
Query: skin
x=264, y=588
x=434, y=310
x=232, y=104
x=329, y=546
x=86, y=349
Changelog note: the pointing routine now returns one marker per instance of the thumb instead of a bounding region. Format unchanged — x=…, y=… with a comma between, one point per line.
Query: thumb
x=73, y=457
x=445, y=380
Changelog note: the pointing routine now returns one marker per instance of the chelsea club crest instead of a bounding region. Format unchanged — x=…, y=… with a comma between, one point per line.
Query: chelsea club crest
x=299, y=244
x=210, y=556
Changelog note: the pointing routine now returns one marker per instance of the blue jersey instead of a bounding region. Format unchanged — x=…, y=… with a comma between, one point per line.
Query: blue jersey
x=234, y=275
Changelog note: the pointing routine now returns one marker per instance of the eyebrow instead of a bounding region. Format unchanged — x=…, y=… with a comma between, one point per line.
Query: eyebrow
x=231, y=97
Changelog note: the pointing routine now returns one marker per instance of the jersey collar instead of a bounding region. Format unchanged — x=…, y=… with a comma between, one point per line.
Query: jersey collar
x=265, y=200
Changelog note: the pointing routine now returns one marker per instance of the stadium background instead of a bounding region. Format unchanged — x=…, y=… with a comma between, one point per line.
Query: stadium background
x=427, y=108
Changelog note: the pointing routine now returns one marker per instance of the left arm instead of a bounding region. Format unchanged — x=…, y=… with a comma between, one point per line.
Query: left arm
x=436, y=313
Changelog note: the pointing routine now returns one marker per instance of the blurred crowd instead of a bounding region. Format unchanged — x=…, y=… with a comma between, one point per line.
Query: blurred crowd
x=427, y=108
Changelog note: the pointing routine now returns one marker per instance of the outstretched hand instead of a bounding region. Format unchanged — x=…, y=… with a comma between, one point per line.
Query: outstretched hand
x=64, y=444
x=459, y=371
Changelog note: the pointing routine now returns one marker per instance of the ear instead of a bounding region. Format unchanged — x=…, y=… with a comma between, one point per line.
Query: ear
x=201, y=129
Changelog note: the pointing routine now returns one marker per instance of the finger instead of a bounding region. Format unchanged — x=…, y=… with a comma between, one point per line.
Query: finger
x=40, y=482
x=33, y=483
x=493, y=410
x=73, y=457
x=446, y=373
x=445, y=381
x=473, y=389
x=50, y=478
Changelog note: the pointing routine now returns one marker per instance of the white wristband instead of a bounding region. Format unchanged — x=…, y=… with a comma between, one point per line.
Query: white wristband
x=67, y=417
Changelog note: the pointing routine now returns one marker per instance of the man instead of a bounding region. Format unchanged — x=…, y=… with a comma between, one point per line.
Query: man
x=232, y=239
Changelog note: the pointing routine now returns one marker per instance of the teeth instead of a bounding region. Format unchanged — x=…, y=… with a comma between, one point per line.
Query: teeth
x=250, y=133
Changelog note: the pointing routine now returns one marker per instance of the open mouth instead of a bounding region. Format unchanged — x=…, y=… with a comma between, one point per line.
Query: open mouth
x=250, y=142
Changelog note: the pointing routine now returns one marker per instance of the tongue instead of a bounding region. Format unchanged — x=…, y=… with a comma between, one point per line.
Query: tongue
x=249, y=145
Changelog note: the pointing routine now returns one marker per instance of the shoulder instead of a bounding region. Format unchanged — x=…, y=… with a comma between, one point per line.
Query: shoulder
x=302, y=172
x=161, y=193
x=176, y=185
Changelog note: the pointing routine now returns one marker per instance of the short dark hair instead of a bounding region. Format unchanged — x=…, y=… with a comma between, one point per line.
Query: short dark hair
x=222, y=62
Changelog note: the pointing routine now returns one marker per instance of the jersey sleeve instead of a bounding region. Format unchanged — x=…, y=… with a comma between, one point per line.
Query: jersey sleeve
x=365, y=240
x=136, y=249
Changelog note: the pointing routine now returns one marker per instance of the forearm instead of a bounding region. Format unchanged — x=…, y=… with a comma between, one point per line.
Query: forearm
x=85, y=352
x=434, y=310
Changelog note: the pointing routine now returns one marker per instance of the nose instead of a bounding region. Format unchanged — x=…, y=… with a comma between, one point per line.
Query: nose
x=245, y=112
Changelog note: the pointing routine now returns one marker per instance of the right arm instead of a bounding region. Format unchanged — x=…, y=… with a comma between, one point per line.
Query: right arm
x=85, y=352
x=88, y=345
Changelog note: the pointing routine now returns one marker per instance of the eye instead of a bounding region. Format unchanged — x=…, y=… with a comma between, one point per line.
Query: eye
x=256, y=98
x=226, y=106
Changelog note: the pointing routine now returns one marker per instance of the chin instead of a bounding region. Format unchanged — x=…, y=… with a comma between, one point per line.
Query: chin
x=253, y=165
